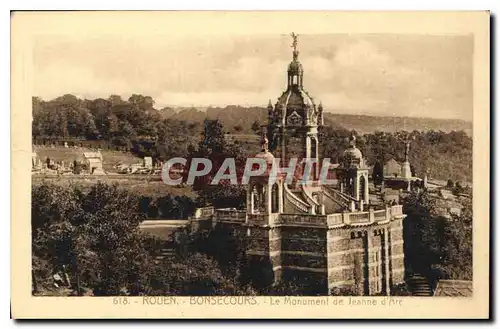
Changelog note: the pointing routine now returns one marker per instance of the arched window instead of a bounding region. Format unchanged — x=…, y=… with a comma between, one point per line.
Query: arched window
x=314, y=155
x=259, y=198
x=362, y=183
x=275, y=197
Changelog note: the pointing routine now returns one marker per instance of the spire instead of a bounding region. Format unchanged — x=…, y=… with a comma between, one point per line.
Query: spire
x=295, y=70
x=270, y=105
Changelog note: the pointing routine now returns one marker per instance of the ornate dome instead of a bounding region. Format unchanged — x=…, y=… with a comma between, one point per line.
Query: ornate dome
x=295, y=97
x=353, y=155
x=353, y=152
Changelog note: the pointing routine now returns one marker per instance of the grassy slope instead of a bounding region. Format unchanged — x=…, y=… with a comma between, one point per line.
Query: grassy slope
x=110, y=158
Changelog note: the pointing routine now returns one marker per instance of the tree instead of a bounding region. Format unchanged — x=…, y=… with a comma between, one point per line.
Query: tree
x=94, y=234
x=238, y=128
x=213, y=146
x=456, y=262
x=378, y=173
x=435, y=246
x=256, y=127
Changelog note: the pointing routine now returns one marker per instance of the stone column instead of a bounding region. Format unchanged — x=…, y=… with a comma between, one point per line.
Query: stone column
x=267, y=191
x=367, y=194
x=281, y=198
x=356, y=187
x=250, y=200
x=369, y=251
x=308, y=146
x=386, y=265
x=275, y=252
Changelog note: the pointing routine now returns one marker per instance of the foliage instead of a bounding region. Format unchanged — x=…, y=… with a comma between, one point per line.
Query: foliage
x=435, y=246
x=94, y=237
x=400, y=290
x=213, y=146
x=196, y=275
x=135, y=125
x=256, y=126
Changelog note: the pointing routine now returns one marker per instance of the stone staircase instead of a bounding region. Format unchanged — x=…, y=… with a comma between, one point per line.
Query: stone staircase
x=164, y=253
x=419, y=286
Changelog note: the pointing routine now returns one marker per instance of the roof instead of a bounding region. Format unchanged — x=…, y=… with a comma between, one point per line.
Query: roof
x=89, y=155
x=454, y=288
x=392, y=161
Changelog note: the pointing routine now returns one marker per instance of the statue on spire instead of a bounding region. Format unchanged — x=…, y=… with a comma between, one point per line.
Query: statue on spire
x=352, y=140
x=264, y=142
x=294, y=45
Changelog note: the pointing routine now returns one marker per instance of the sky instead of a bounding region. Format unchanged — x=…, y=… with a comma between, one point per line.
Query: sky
x=379, y=74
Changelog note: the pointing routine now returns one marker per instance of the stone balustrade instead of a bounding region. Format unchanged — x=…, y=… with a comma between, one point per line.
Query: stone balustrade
x=349, y=218
x=258, y=219
x=203, y=213
x=230, y=215
x=358, y=217
x=301, y=219
x=334, y=219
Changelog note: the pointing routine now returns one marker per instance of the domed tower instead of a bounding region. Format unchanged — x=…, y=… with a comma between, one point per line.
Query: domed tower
x=294, y=120
x=265, y=191
x=354, y=173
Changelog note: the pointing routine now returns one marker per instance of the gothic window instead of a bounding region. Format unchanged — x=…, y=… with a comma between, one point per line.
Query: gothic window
x=294, y=118
x=275, y=199
x=314, y=148
x=362, y=183
x=259, y=198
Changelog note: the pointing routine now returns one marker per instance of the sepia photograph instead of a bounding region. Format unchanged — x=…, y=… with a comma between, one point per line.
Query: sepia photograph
x=299, y=166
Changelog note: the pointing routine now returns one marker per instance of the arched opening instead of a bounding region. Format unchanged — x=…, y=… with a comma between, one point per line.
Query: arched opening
x=258, y=198
x=275, y=199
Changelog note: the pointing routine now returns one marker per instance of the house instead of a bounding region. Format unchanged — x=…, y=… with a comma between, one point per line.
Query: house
x=454, y=288
x=392, y=169
x=93, y=160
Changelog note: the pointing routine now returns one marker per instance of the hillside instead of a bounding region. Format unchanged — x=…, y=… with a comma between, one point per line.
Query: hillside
x=232, y=116
x=368, y=124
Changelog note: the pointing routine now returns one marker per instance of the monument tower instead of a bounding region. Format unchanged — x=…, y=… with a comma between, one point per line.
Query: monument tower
x=295, y=118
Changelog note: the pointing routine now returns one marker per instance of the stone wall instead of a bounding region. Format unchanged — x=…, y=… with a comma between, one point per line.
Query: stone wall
x=303, y=254
x=364, y=257
x=396, y=252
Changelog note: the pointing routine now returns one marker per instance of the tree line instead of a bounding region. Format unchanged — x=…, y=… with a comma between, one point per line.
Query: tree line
x=136, y=126
x=435, y=246
x=92, y=238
